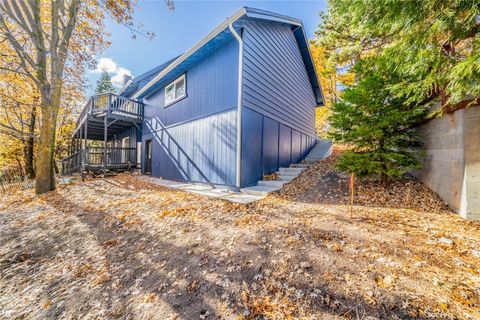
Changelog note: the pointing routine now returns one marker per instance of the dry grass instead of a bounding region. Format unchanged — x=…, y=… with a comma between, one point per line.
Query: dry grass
x=124, y=248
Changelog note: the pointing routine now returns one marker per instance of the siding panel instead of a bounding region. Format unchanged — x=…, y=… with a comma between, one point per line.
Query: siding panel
x=296, y=145
x=211, y=87
x=276, y=83
x=194, y=139
x=251, y=147
x=200, y=150
x=285, y=146
x=270, y=145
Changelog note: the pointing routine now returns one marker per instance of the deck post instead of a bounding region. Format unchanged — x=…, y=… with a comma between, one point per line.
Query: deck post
x=85, y=135
x=105, y=128
x=84, y=157
x=77, y=143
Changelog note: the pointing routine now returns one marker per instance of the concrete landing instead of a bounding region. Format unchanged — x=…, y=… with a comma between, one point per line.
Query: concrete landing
x=206, y=190
x=258, y=190
x=320, y=151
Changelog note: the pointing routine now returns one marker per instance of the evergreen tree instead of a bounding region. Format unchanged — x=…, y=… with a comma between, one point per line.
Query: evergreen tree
x=104, y=84
x=377, y=125
x=433, y=44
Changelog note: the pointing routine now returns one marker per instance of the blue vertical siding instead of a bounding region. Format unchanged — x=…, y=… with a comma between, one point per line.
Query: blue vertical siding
x=194, y=139
x=251, y=147
x=211, y=87
x=275, y=80
x=278, y=101
x=285, y=143
x=270, y=145
x=201, y=150
x=296, y=144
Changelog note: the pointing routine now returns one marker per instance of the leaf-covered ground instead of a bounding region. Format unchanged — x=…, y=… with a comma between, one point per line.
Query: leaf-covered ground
x=123, y=248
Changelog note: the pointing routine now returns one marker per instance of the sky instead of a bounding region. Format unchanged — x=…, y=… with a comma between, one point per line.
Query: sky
x=178, y=30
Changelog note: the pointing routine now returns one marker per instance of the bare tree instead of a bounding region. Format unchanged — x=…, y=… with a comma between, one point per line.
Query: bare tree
x=44, y=65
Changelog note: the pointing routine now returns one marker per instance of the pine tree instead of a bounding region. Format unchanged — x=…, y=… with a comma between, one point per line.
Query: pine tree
x=104, y=84
x=433, y=44
x=377, y=124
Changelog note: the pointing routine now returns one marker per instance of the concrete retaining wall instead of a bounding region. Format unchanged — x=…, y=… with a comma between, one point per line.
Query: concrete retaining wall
x=452, y=164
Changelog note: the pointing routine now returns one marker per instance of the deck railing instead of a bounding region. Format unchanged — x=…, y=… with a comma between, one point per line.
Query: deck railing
x=72, y=163
x=114, y=156
x=114, y=104
x=92, y=158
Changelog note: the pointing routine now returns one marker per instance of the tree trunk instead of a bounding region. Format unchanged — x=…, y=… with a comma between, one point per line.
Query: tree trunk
x=29, y=147
x=45, y=177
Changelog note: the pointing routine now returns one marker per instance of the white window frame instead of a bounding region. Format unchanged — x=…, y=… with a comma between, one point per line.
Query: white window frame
x=174, y=84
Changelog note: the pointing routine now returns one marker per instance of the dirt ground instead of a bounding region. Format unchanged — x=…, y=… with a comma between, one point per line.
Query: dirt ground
x=123, y=248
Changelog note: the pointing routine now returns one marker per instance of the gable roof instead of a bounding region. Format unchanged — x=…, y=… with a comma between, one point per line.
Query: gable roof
x=140, y=81
x=222, y=34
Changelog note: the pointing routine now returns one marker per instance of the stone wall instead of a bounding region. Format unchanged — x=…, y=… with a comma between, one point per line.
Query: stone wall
x=452, y=164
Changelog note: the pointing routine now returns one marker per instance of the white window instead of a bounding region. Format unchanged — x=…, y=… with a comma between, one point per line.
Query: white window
x=175, y=90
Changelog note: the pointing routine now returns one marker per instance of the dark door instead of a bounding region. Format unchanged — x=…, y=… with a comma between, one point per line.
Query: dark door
x=148, y=157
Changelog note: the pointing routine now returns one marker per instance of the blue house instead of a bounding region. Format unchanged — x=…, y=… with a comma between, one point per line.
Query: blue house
x=237, y=105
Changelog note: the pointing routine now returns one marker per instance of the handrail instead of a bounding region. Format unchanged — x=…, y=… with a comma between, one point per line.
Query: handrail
x=96, y=156
x=114, y=104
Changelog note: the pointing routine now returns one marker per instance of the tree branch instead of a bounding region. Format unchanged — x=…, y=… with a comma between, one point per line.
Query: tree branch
x=19, y=50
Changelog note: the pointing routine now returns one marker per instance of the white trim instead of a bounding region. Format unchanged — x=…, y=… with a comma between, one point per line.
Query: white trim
x=174, y=84
x=272, y=16
x=190, y=51
x=238, y=177
x=125, y=86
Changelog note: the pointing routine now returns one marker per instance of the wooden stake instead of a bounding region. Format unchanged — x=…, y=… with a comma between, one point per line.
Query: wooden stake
x=352, y=191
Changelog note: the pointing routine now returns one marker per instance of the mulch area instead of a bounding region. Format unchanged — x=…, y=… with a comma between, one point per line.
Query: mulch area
x=124, y=248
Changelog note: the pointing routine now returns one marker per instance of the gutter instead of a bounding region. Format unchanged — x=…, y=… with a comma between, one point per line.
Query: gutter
x=239, y=105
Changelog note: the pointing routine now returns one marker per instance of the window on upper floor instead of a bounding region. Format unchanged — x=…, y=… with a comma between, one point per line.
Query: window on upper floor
x=175, y=90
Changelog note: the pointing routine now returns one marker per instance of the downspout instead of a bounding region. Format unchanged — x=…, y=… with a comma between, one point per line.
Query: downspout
x=239, y=105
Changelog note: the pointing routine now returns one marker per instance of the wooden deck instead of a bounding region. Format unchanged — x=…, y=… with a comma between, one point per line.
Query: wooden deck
x=104, y=118
x=95, y=159
x=119, y=113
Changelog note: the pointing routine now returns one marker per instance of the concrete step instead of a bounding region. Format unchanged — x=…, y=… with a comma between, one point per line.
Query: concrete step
x=300, y=165
x=287, y=173
x=272, y=183
x=298, y=170
x=287, y=177
x=259, y=190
